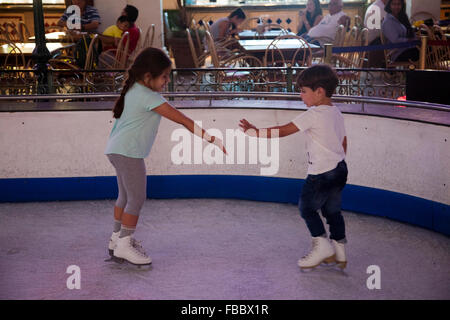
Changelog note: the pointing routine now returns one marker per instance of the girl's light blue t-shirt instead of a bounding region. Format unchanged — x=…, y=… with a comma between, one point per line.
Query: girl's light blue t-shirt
x=134, y=132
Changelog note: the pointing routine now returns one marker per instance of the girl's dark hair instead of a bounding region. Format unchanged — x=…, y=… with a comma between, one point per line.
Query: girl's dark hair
x=317, y=11
x=319, y=76
x=132, y=13
x=237, y=13
x=402, y=17
x=152, y=60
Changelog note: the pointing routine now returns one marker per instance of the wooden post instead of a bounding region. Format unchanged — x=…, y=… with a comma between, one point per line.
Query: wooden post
x=423, y=52
x=328, y=53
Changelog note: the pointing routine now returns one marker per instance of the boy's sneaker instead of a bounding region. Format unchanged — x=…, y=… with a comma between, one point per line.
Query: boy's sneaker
x=129, y=249
x=322, y=251
x=341, y=259
x=113, y=242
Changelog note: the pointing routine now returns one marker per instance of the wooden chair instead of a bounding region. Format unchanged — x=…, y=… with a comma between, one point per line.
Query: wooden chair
x=24, y=32
x=388, y=57
x=277, y=57
x=437, y=57
x=74, y=80
x=116, y=58
x=16, y=83
x=240, y=80
x=12, y=33
x=350, y=79
x=338, y=41
x=199, y=60
x=149, y=37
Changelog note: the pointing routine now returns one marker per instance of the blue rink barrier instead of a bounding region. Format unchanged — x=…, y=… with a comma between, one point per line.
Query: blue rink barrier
x=396, y=206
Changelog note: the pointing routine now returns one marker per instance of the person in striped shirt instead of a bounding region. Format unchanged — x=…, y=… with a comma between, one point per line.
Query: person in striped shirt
x=90, y=18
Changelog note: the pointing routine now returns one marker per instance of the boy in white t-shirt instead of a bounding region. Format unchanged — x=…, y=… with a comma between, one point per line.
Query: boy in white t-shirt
x=326, y=146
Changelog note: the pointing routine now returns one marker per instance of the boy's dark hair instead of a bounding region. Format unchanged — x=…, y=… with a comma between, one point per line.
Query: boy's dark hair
x=132, y=13
x=122, y=19
x=319, y=76
x=237, y=13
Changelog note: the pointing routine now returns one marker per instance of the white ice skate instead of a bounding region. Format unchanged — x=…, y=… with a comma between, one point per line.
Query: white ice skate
x=341, y=259
x=322, y=251
x=113, y=242
x=130, y=250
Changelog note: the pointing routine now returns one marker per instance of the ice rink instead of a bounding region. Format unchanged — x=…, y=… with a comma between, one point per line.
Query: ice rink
x=211, y=249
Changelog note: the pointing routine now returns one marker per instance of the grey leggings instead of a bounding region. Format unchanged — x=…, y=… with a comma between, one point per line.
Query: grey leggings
x=132, y=182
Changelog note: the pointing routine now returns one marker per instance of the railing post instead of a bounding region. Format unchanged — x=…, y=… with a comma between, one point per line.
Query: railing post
x=171, y=84
x=289, y=79
x=423, y=51
x=327, y=53
x=41, y=55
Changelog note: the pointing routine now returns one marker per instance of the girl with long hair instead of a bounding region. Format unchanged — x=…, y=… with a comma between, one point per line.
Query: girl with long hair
x=138, y=112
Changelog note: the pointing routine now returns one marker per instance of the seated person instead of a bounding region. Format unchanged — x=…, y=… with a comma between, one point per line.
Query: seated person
x=396, y=28
x=115, y=31
x=225, y=27
x=311, y=18
x=325, y=31
x=107, y=57
x=373, y=18
x=132, y=13
x=90, y=19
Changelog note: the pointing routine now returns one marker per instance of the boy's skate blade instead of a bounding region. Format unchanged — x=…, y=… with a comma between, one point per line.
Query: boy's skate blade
x=124, y=262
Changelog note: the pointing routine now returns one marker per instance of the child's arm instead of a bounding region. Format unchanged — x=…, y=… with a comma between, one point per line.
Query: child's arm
x=171, y=113
x=283, y=131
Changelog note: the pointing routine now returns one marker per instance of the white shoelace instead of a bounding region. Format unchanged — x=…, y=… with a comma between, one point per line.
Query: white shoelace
x=138, y=247
x=315, y=244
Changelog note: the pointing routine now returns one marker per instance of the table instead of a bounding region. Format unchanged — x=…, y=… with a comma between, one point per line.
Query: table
x=58, y=36
x=287, y=47
x=271, y=34
x=28, y=48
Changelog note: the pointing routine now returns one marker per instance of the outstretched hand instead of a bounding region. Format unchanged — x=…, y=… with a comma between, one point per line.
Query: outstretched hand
x=218, y=143
x=245, y=126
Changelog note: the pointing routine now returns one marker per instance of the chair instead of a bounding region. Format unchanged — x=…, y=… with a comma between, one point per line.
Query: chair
x=16, y=83
x=395, y=64
x=24, y=32
x=198, y=60
x=437, y=57
x=275, y=56
x=349, y=79
x=12, y=33
x=73, y=78
x=242, y=80
x=14, y=59
x=116, y=58
x=149, y=37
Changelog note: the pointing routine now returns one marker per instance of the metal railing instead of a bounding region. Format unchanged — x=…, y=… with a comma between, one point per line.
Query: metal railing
x=352, y=82
x=212, y=96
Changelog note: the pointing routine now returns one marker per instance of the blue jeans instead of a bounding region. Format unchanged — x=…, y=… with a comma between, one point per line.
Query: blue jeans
x=324, y=191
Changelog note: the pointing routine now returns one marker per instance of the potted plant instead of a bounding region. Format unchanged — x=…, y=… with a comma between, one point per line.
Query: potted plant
x=175, y=24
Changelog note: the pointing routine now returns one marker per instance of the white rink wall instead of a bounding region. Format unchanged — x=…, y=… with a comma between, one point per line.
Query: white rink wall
x=395, y=155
